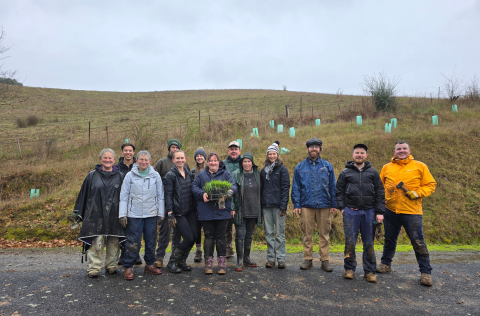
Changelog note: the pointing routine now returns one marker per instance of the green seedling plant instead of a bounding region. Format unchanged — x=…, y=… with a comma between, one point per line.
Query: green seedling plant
x=216, y=187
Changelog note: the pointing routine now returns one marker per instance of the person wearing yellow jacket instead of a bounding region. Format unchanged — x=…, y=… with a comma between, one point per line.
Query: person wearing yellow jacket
x=405, y=208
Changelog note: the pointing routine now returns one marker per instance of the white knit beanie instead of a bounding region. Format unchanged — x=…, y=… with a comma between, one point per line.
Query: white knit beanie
x=274, y=147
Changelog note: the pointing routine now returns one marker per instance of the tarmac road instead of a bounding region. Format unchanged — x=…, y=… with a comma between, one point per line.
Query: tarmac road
x=54, y=282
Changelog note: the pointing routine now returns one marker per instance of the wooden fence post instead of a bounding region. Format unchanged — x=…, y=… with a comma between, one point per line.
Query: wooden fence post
x=88, y=132
x=199, y=120
x=300, y=107
x=106, y=129
x=287, y=111
x=19, y=147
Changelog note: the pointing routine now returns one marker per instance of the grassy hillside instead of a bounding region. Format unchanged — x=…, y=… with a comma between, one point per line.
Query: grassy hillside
x=56, y=155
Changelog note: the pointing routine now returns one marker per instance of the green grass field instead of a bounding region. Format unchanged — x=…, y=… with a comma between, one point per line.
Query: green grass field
x=56, y=154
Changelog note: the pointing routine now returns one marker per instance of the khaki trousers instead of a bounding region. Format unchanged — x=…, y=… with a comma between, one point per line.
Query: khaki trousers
x=111, y=256
x=308, y=217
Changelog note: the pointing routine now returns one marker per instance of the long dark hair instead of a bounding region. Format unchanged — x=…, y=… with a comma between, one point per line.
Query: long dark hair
x=199, y=166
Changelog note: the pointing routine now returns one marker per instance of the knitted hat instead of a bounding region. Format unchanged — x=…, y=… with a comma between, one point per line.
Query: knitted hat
x=274, y=147
x=174, y=141
x=200, y=151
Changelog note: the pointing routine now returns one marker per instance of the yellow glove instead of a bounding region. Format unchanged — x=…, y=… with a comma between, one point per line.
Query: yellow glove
x=412, y=195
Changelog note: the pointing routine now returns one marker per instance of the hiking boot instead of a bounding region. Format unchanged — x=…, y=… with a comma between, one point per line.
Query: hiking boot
x=246, y=254
x=426, y=279
x=383, y=268
x=111, y=270
x=349, y=274
x=208, y=265
x=152, y=270
x=307, y=264
x=372, y=278
x=239, y=246
x=270, y=264
x=128, y=274
x=198, y=256
x=326, y=266
x=159, y=262
x=172, y=262
x=222, y=265
x=93, y=275
x=282, y=265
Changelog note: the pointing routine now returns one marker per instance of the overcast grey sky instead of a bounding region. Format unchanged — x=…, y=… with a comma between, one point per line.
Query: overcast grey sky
x=317, y=46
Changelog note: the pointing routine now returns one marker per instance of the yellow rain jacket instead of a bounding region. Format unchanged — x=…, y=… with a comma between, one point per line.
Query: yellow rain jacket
x=415, y=176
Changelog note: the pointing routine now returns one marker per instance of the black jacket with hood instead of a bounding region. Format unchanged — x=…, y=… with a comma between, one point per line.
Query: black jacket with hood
x=173, y=192
x=275, y=190
x=97, y=204
x=360, y=190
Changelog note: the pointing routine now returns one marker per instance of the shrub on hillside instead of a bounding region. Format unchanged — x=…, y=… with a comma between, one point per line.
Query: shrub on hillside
x=382, y=90
x=10, y=81
x=31, y=120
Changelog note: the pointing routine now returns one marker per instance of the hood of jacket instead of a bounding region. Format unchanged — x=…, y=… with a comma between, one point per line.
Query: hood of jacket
x=99, y=167
x=402, y=161
x=248, y=156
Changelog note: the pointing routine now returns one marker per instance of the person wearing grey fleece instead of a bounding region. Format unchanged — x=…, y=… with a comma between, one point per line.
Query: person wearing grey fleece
x=141, y=210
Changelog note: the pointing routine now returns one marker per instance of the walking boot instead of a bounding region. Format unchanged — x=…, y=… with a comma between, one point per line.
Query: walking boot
x=349, y=274
x=246, y=254
x=307, y=264
x=182, y=262
x=152, y=270
x=372, y=278
x=159, y=262
x=326, y=266
x=172, y=262
x=426, y=279
x=128, y=274
x=208, y=265
x=383, y=268
x=198, y=256
x=222, y=265
x=239, y=246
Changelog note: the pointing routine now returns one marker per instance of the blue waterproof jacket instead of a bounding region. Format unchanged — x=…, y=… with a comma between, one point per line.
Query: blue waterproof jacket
x=209, y=211
x=314, y=184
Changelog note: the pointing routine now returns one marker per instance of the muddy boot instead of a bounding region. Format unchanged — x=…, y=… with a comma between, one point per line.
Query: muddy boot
x=326, y=266
x=246, y=255
x=239, y=246
x=208, y=265
x=128, y=274
x=383, y=268
x=222, y=265
x=307, y=264
x=182, y=262
x=198, y=256
x=372, y=278
x=426, y=279
x=172, y=262
x=159, y=262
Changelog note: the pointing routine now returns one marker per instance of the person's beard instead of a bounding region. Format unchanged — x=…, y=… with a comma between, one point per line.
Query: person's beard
x=313, y=155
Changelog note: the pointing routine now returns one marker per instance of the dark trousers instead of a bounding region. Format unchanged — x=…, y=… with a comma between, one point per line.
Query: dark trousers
x=187, y=228
x=198, y=237
x=137, y=227
x=353, y=222
x=214, y=232
x=414, y=228
x=164, y=239
x=245, y=231
x=229, y=234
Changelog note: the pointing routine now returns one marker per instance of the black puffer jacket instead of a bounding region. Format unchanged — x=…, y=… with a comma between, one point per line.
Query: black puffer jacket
x=275, y=191
x=360, y=190
x=123, y=167
x=174, y=193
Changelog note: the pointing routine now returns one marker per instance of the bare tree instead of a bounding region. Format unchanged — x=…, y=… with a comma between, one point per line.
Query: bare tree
x=382, y=90
x=284, y=88
x=453, y=85
x=8, y=84
x=472, y=90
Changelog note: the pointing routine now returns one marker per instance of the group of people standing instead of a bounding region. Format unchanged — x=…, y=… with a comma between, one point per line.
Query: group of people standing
x=119, y=204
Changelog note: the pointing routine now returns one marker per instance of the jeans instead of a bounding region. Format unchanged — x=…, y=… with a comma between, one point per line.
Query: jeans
x=187, y=228
x=215, y=237
x=135, y=228
x=354, y=221
x=308, y=218
x=274, y=234
x=198, y=237
x=245, y=231
x=414, y=228
x=164, y=239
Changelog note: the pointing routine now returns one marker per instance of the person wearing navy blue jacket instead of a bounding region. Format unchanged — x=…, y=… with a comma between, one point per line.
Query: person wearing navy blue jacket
x=213, y=218
x=313, y=197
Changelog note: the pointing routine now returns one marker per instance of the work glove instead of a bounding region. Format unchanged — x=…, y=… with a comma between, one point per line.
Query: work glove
x=282, y=213
x=172, y=222
x=123, y=221
x=160, y=221
x=412, y=195
x=229, y=194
